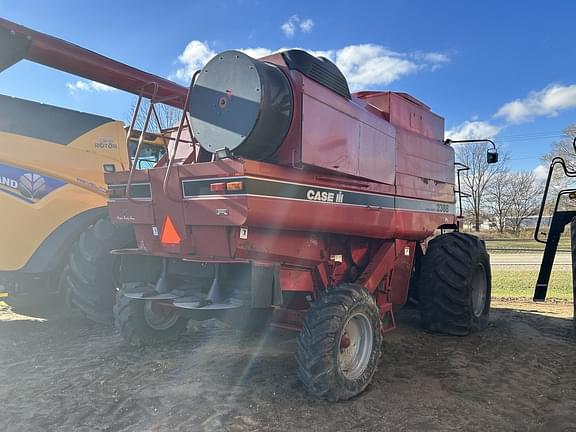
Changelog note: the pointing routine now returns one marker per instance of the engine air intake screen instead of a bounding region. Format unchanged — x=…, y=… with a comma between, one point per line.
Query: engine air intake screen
x=242, y=104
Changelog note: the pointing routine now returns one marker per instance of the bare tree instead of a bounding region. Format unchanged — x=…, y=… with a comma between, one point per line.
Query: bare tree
x=499, y=198
x=476, y=180
x=168, y=116
x=565, y=149
x=525, y=196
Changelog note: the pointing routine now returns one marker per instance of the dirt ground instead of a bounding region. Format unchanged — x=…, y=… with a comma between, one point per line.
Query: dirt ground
x=64, y=374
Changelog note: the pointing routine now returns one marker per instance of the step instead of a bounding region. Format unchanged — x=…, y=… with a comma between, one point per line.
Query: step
x=189, y=303
x=146, y=296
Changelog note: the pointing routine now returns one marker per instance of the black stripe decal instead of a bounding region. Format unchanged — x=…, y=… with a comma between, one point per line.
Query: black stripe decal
x=276, y=189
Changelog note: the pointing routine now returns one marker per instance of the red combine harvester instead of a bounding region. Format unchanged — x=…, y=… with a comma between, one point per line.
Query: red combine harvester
x=299, y=204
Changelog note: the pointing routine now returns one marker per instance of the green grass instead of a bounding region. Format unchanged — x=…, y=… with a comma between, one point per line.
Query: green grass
x=520, y=284
x=526, y=245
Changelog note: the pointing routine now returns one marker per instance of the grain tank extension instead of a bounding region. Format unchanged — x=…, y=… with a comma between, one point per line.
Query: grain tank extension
x=302, y=206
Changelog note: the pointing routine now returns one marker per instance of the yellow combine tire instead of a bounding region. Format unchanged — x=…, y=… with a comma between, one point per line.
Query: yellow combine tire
x=91, y=270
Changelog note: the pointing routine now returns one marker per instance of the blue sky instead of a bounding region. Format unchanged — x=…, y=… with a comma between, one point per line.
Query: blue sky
x=505, y=69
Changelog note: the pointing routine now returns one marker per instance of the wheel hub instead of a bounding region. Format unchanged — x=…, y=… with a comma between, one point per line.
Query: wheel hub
x=158, y=315
x=355, y=348
x=344, y=342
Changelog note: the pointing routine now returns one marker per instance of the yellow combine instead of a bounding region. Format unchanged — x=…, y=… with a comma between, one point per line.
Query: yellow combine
x=55, y=234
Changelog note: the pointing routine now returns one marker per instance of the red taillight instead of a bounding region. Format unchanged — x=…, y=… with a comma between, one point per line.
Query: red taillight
x=116, y=191
x=218, y=187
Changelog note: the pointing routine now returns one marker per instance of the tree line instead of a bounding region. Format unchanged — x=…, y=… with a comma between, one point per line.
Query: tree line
x=503, y=196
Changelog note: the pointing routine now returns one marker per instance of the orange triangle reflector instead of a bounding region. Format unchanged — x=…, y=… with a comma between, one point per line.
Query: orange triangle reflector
x=169, y=233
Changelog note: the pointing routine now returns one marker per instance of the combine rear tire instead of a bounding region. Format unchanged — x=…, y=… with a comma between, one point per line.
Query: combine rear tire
x=455, y=285
x=145, y=322
x=339, y=345
x=90, y=272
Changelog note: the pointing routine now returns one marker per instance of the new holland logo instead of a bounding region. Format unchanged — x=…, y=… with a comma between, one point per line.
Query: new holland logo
x=26, y=185
x=8, y=182
x=32, y=186
x=325, y=196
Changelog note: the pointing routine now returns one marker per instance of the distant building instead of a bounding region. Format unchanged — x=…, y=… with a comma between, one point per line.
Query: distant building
x=528, y=223
x=485, y=225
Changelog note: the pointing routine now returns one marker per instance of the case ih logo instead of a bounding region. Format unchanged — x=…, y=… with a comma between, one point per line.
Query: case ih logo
x=315, y=195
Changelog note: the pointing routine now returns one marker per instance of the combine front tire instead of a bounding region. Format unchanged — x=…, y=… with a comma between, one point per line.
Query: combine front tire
x=339, y=345
x=455, y=285
x=89, y=276
x=145, y=322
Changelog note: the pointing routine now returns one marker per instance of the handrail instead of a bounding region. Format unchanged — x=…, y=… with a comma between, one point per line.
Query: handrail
x=461, y=194
x=141, y=138
x=178, y=135
x=558, y=160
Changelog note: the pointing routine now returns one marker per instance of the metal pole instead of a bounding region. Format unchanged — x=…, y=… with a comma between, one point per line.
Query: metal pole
x=573, y=252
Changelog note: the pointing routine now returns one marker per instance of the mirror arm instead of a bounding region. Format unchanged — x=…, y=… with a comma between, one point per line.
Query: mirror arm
x=449, y=141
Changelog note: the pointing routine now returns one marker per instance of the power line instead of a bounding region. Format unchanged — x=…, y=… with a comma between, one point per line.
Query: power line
x=534, y=133
x=515, y=140
x=525, y=158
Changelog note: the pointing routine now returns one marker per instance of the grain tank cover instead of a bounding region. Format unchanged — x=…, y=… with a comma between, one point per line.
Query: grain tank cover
x=242, y=104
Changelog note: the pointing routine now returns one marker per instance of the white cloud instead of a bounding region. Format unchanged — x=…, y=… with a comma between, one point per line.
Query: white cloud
x=256, y=52
x=89, y=86
x=540, y=172
x=473, y=130
x=292, y=24
x=546, y=102
x=306, y=25
x=434, y=60
x=368, y=65
x=194, y=57
x=289, y=27
x=365, y=66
